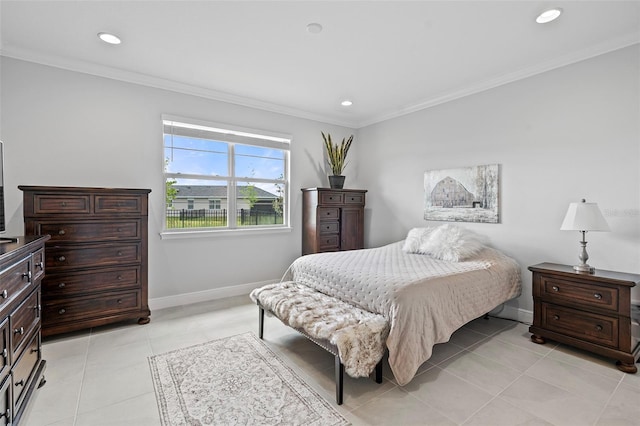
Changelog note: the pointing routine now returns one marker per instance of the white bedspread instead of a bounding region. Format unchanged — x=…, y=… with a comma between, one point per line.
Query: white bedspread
x=424, y=299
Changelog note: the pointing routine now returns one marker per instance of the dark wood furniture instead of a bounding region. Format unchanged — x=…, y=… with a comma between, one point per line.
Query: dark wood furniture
x=96, y=258
x=21, y=365
x=332, y=219
x=588, y=311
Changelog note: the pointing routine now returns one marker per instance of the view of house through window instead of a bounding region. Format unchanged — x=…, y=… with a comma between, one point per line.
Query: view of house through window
x=223, y=177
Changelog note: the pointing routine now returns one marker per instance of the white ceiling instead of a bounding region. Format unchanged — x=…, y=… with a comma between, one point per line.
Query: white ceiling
x=389, y=58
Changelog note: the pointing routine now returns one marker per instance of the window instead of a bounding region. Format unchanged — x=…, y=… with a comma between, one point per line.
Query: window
x=223, y=177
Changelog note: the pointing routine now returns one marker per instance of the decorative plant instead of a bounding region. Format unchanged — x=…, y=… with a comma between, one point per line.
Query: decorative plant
x=337, y=154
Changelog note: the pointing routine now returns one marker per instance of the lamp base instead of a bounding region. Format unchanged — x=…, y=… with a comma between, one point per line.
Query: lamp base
x=584, y=269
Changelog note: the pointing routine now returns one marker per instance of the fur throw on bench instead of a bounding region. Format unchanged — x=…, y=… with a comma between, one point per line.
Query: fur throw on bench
x=359, y=335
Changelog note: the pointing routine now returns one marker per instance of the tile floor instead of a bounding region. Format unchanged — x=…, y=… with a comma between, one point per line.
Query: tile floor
x=490, y=373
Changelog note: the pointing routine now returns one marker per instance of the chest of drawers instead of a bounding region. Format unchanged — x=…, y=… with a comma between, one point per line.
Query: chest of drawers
x=589, y=311
x=96, y=258
x=21, y=365
x=333, y=219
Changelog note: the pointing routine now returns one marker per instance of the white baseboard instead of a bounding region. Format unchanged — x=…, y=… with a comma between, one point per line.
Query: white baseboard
x=203, y=296
x=510, y=312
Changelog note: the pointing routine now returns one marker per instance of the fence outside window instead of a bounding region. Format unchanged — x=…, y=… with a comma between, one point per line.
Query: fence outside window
x=207, y=218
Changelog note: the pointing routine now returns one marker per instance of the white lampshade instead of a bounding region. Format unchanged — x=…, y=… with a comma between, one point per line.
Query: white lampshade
x=584, y=217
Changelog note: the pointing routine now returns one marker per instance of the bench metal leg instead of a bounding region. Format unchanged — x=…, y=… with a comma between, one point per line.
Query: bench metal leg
x=260, y=322
x=339, y=380
x=379, y=372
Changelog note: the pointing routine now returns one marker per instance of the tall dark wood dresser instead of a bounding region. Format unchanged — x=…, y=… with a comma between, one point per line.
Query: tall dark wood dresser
x=332, y=219
x=96, y=258
x=21, y=364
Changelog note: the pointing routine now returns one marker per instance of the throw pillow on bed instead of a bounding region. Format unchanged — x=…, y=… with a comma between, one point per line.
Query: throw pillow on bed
x=451, y=243
x=414, y=239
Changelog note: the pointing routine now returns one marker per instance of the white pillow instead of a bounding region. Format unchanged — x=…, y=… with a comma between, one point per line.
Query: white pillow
x=452, y=243
x=415, y=237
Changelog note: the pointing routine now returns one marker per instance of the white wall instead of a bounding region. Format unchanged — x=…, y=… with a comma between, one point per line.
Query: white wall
x=72, y=129
x=567, y=134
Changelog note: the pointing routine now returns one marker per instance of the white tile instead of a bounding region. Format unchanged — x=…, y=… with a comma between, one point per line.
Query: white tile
x=587, y=360
x=448, y=394
x=489, y=326
x=623, y=408
x=520, y=336
x=485, y=373
x=574, y=379
x=397, y=407
x=501, y=413
x=55, y=401
x=553, y=404
x=139, y=411
x=506, y=354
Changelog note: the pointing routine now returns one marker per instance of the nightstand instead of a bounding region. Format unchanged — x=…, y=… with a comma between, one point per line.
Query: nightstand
x=588, y=311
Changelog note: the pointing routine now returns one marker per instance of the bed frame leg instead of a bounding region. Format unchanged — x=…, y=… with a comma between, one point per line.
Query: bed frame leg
x=260, y=321
x=379, y=372
x=339, y=380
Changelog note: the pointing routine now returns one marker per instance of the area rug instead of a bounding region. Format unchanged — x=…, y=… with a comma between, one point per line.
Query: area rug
x=235, y=381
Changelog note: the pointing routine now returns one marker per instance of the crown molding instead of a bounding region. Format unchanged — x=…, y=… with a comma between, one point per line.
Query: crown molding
x=164, y=84
x=577, y=56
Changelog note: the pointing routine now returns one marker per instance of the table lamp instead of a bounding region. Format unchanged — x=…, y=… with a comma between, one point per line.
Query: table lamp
x=584, y=217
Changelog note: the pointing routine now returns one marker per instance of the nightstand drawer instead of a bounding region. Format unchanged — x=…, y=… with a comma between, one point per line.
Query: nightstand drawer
x=559, y=291
x=354, y=198
x=587, y=326
x=329, y=242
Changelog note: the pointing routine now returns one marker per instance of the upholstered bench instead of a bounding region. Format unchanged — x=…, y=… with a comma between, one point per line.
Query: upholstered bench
x=355, y=337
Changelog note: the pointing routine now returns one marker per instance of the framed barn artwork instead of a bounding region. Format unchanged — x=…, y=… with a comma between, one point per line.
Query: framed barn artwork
x=467, y=194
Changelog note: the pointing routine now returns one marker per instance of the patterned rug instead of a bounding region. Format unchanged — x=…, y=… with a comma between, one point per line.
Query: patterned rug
x=233, y=381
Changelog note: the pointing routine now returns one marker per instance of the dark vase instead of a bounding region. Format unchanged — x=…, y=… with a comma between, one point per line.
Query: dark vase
x=336, y=181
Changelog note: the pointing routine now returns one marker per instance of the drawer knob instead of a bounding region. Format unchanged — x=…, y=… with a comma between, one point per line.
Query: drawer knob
x=555, y=288
x=62, y=311
x=61, y=232
x=119, y=278
x=62, y=258
x=119, y=301
x=27, y=275
x=20, y=383
x=64, y=204
x=39, y=265
x=19, y=331
x=119, y=229
x=5, y=294
x=597, y=296
x=556, y=317
x=119, y=253
x=62, y=285
x=598, y=328
x=6, y=414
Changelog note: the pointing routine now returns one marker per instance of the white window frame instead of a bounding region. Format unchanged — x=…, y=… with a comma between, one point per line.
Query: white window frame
x=230, y=134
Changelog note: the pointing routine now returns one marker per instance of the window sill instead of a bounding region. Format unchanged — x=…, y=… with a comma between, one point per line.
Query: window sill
x=213, y=233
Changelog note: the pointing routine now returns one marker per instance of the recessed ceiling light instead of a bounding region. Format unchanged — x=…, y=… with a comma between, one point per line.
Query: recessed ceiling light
x=346, y=102
x=109, y=38
x=549, y=15
x=314, y=28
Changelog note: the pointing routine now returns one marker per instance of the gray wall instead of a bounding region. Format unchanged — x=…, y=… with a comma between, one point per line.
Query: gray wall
x=72, y=129
x=567, y=134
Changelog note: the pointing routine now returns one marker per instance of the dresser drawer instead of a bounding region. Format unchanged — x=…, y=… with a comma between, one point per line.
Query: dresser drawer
x=102, y=305
x=14, y=280
x=5, y=365
x=328, y=213
x=23, y=321
x=559, y=291
x=109, y=204
x=329, y=242
x=330, y=197
x=58, y=204
x=329, y=227
x=38, y=264
x=90, y=230
x=83, y=282
x=23, y=370
x=6, y=416
x=587, y=326
x=354, y=198
x=76, y=256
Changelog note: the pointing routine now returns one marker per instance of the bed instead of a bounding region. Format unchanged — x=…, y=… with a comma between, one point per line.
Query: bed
x=427, y=286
